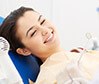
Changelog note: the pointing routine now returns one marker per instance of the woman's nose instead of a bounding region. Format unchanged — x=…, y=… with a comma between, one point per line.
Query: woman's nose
x=44, y=31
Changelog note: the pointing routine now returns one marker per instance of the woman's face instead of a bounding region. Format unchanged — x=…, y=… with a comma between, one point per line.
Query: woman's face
x=37, y=34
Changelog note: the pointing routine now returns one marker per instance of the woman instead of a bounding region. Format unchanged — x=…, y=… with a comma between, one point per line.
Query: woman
x=28, y=32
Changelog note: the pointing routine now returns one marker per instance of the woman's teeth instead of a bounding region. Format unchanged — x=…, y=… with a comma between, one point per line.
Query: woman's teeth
x=49, y=38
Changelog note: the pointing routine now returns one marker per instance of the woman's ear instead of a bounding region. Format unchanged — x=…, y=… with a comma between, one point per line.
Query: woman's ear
x=23, y=51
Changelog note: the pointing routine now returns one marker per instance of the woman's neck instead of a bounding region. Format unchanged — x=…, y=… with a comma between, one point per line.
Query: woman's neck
x=51, y=53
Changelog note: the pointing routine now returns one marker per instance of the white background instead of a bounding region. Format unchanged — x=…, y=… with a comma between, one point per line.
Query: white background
x=73, y=18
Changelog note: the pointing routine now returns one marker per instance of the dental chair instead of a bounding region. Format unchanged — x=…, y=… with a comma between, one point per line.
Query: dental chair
x=1, y=20
x=27, y=66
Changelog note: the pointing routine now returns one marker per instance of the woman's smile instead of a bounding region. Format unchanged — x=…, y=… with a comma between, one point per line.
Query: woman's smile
x=50, y=38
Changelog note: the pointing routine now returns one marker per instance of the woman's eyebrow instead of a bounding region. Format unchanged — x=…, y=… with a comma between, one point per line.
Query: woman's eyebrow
x=39, y=17
x=33, y=26
x=29, y=30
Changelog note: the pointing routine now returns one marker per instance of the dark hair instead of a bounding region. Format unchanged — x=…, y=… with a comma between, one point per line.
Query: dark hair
x=8, y=28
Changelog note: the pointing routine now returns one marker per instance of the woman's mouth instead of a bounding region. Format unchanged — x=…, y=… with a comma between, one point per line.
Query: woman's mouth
x=50, y=38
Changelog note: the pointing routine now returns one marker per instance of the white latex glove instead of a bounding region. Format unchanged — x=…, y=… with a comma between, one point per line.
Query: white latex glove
x=8, y=72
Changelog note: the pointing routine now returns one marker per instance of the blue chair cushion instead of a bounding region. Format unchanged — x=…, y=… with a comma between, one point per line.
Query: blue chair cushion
x=27, y=66
x=1, y=20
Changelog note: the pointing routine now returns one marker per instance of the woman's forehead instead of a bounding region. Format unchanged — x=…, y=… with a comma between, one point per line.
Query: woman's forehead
x=26, y=21
x=29, y=15
x=28, y=18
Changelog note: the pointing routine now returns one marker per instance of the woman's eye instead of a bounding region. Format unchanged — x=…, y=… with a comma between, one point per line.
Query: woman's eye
x=42, y=22
x=33, y=33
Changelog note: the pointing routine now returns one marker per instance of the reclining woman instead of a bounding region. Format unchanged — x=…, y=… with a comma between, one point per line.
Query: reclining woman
x=28, y=32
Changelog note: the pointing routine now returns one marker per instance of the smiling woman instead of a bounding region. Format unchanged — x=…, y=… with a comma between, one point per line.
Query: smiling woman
x=28, y=32
x=37, y=34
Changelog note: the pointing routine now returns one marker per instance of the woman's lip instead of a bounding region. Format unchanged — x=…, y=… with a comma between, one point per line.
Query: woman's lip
x=50, y=38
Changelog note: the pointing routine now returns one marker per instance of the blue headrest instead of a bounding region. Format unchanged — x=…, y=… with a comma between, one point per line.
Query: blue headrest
x=27, y=66
x=1, y=20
